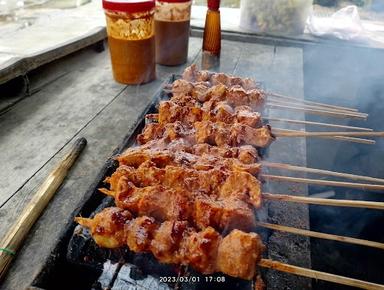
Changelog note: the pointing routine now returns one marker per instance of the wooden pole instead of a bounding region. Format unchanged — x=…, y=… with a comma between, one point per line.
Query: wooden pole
x=318, y=235
x=324, y=201
x=365, y=186
x=290, y=167
x=282, y=267
x=17, y=233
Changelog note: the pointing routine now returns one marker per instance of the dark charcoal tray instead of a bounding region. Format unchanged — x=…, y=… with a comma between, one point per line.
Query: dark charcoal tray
x=78, y=263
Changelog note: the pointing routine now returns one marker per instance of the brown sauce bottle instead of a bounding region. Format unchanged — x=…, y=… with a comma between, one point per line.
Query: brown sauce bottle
x=172, y=22
x=131, y=40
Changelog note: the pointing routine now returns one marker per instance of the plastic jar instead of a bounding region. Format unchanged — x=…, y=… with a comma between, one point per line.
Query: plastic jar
x=274, y=16
x=131, y=40
x=172, y=19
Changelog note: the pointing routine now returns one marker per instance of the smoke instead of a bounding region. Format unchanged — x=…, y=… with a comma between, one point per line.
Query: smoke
x=349, y=76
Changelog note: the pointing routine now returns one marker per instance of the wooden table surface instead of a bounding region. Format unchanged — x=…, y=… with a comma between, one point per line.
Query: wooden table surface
x=77, y=96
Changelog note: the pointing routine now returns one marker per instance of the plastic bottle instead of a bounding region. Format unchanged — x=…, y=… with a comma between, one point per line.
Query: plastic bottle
x=131, y=39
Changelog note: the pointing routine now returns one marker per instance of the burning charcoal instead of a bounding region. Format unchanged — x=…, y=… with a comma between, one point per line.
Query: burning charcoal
x=217, y=281
x=149, y=265
x=130, y=278
x=106, y=278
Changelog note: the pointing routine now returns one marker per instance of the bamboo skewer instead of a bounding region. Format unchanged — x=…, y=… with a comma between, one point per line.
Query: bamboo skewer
x=313, y=107
x=15, y=236
x=351, y=139
x=313, y=234
x=307, y=106
x=338, y=138
x=284, y=133
x=290, y=167
x=317, y=124
x=267, y=263
x=311, y=102
x=365, y=186
x=319, y=112
x=324, y=201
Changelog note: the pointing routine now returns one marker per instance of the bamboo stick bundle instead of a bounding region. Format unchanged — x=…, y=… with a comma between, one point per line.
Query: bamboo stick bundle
x=19, y=230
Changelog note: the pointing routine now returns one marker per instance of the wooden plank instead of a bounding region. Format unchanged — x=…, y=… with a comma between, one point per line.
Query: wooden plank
x=21, y=87
x=66, y=110
x=42, y=124
x=24, y=49
x=17, y=66
x=280, y=69
x=104, y=132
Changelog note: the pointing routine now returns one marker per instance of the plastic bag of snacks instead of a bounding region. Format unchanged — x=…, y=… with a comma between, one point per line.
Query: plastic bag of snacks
x=274, y=16
x=344, y=24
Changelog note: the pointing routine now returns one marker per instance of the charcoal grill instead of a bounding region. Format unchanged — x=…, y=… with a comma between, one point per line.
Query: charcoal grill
x=78, y=263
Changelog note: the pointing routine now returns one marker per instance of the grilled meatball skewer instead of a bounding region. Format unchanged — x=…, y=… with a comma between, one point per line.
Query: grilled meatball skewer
x=170, y=112
x=169, y=203
x=218, y=133
x=216, y=181
x=173, y=242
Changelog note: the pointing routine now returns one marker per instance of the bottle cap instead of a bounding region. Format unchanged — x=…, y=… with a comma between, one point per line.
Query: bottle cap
x=131, y=6
x=213, y=4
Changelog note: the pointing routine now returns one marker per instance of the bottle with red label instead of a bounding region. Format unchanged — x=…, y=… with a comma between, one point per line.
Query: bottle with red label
x=131, y=39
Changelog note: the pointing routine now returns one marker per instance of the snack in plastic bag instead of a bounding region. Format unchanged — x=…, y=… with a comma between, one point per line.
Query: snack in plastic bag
x=279, y=16
x=344, y=24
